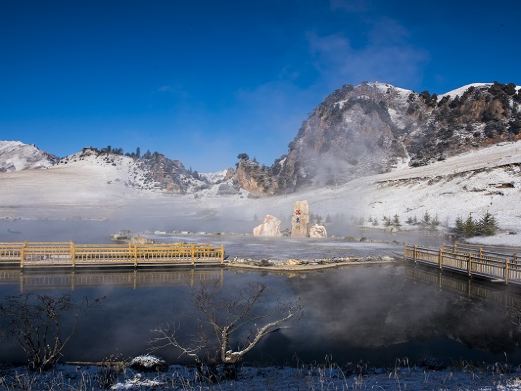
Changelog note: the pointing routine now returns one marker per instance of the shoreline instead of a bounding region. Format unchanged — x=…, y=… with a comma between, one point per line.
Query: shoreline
x=305, y=267
x=303, y=377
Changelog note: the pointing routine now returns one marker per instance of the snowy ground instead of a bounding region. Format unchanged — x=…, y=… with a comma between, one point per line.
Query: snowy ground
x=488, y=179
x=270, y=378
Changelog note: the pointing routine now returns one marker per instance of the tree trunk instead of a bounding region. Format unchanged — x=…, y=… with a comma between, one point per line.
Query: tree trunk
x=230, y=371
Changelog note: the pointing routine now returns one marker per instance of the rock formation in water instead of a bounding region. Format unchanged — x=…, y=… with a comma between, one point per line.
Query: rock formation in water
x=317, y=231
x=300, y=220
x=269, y=228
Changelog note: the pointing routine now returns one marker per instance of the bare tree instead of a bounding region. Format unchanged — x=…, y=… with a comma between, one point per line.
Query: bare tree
x=221, y=324
x=36, y=322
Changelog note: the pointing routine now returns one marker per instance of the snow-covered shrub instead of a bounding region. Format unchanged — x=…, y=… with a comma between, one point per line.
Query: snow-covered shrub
x=147, y=362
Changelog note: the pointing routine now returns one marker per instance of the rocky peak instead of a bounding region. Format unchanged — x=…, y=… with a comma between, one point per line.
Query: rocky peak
x=255, y=178
x=370, y=128
x=17, y=156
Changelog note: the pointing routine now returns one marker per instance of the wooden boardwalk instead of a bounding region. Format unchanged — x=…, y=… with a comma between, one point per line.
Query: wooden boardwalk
x=494, y=264
x=73, y=255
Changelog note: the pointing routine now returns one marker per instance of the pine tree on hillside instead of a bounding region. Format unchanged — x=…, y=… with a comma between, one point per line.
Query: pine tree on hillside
x=435, y=222
x=487, y=225
x=396, y=220
x=469, y=228
x=460, y=226
x=426, y=218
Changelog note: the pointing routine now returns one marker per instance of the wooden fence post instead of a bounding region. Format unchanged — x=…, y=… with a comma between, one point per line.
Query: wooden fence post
x=440, y=258
x=22, y=255
x=72, y=253
x=193, y=254
x=415, y=255
x=514, y=262
x=506, y=271
x=469, y=265
x=222, y=254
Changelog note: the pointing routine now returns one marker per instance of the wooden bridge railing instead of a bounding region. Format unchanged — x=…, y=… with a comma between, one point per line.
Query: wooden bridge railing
x=472, y=260
x=48, y=254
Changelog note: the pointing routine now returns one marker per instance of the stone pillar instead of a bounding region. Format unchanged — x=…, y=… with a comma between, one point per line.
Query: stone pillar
x=300, y=220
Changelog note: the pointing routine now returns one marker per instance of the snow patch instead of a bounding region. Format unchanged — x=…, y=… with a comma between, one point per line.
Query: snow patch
x=214, y=177
x=17, y=156
x=461, y=90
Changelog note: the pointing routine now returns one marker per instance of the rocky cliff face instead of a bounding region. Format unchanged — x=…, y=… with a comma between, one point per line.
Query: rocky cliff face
x=370, y=128
x=171, y=175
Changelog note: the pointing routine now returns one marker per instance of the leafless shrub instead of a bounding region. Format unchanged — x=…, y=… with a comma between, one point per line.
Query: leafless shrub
x=109, y=371
x=36, y=322
x=223, y=320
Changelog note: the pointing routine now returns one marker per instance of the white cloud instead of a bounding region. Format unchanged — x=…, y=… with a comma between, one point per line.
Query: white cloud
x=387, y=56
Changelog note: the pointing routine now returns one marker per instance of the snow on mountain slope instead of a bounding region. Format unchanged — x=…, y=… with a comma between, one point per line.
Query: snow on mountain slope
x=16, y=156
x=493, y=156
x=79, y=180
x=459, y=91
x=214, y=177
x=117, y=168
x=474, y=182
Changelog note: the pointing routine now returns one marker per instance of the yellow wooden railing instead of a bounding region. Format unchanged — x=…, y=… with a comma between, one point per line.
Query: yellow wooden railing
x=49, y=254
x=472, y=260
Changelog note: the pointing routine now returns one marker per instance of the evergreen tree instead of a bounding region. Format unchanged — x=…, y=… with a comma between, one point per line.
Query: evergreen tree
x=460, y=226
x=396, y=220
x=487, y=225
x=375, y=221
x=410, y=220
x=435, y=222
x=469, y=228
x=415, y=220
x=387, y=221
x=426, y=218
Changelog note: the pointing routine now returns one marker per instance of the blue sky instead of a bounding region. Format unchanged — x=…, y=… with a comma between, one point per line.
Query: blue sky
x=202, y=81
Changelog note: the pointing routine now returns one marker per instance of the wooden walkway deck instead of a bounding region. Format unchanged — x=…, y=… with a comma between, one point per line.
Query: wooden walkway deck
x=72, y=255
x=494, y=264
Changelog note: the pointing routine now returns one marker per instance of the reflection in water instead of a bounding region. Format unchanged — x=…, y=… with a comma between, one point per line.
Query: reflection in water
x=135, y=279
x=376, y=313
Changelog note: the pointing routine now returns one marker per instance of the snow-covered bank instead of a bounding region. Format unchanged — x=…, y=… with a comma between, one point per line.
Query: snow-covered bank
x=252, y=378
x=473, y=182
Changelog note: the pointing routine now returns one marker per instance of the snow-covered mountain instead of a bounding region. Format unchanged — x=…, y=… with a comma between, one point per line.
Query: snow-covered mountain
x=16, y=156
x=373, y=127
x=150, y=172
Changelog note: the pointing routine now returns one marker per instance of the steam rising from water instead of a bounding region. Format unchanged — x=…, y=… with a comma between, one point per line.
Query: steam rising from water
x=371, y=313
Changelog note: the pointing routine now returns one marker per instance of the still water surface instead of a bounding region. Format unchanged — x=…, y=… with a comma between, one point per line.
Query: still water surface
x=371, y=313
